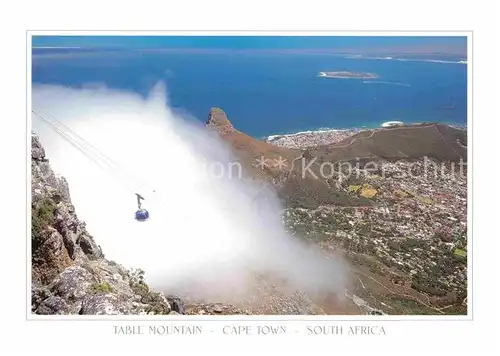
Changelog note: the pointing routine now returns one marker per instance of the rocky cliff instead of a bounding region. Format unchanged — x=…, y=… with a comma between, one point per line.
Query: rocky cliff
x=218, y=121
x=70, y=274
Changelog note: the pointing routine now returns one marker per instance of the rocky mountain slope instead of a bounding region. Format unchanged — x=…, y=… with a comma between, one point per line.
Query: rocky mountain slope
x=309, y=178
x=283, y=167
x=248, y=150
x=70, y=274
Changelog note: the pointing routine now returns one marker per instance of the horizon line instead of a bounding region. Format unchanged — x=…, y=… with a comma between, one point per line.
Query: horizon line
x=339, y=51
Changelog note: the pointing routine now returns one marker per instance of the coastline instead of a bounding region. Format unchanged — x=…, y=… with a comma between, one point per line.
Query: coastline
x=318, y=131
x=373, y=126
x=322, y=130
x=321, y=136
x=305, y=139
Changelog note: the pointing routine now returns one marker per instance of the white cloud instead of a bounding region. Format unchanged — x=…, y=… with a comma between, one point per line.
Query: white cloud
x=205, y=236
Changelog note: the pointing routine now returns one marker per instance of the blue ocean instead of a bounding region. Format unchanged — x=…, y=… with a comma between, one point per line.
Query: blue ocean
x=269, y=93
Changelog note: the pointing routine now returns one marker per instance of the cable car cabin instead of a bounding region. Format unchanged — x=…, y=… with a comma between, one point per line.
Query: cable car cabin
x=141, y=215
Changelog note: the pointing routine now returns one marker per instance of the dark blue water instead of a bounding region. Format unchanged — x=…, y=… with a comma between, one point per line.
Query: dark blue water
x=266, y=94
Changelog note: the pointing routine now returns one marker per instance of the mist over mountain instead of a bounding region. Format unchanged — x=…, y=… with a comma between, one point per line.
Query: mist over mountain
x=210, y=236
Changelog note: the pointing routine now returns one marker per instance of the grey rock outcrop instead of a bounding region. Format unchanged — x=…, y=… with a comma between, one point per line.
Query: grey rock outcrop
x=70, y=274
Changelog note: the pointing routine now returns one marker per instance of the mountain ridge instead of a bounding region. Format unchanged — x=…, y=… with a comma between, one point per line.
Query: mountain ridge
x=296, y=179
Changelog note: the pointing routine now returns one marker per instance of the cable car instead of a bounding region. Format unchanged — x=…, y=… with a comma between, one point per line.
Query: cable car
x=91, y=153
x=141, y=215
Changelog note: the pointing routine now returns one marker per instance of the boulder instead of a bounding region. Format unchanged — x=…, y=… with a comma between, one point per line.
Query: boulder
x=177, y=304
x=105, y=304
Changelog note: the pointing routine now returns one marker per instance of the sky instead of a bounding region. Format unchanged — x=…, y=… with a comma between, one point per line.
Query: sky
x=407, y=44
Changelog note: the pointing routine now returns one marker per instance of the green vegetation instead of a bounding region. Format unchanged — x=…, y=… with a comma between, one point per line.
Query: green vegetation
x=401, y=193
x=409, y=244
x=42, y=216
x=157, y=303
x=101, y=288
x=394, y=245
x=154, y=299
x=460, y=253
x=457, y=309
x=425, y=200
x=140, y=288
x=317, y=236
x=407, y=306
x=354, y=188
x=368, y=261
x=428, y=285
x=410, y=193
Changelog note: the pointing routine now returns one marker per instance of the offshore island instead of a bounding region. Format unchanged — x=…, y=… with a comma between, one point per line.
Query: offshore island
x=349, y=75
